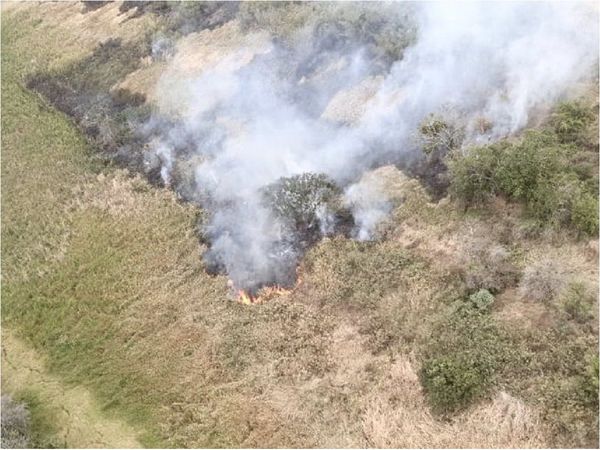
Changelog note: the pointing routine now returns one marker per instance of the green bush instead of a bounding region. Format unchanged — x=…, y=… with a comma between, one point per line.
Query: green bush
x=452, y=381
x=527, y=164
x=473, y=175
x=589, y=383
x=585, y=213
x=570, y=119
x=463, y=357
x=385, y=30
x=299, y=198
x=482, y=299
x=539, y=170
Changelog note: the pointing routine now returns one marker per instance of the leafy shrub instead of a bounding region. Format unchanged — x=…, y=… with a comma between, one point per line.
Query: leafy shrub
x=473, y=176
x=482, y=299
x=542, y=280
x=383, y=30
x=15, y=424
x=538, y=171
x=589, y=383
x=463, y=357
x=578, y=302
x=453, y=381
x=300, y=198
x=570, y=119
x=584, y=214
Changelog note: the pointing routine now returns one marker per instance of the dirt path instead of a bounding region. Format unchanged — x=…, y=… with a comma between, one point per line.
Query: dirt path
x=77, y=418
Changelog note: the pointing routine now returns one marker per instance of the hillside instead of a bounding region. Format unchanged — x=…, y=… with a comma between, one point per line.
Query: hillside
x=260, y=225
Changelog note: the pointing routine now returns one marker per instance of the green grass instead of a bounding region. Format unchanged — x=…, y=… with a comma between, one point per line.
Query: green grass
x=42, y=430
x=67, y=271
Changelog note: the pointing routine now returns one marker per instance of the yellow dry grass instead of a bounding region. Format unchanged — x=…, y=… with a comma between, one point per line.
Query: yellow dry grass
x=222, y=50
x=396, y=416
x=78, y=32
x=349, y=105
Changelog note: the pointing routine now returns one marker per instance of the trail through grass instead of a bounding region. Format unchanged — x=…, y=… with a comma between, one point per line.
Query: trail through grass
x=61, y=415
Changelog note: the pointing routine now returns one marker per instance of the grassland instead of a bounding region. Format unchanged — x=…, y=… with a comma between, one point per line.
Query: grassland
x=102, y=276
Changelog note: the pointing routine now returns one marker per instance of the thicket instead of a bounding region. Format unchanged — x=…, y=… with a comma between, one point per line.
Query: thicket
x=465, y=352
x=549, y=170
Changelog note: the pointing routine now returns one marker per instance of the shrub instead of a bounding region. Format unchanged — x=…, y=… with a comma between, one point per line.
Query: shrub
x=570, y=119
x=578, y=302
x=383, y=30
x=438, y=136
x=15, y=424
x=482, y=299
x=453, y=381
x=589, y=383
x=538, y=171
x=488, y=266
x=463, y=357
x=585, y=213
x=299, y=199
x=473, y=175
x=524, y=165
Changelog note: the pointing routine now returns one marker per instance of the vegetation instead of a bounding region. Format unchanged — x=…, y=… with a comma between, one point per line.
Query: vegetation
x=300, y=200
x=101, y=275
x=542, y=281
x=537, y=170
x=383, y=30
x=578, y=302
x=463, y=356
x=15, y=424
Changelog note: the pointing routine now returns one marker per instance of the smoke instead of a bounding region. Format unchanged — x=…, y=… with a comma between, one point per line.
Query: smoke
x=256, y=115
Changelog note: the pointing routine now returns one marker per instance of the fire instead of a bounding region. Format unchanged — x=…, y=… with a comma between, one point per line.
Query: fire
x=264, y=294
x=245, y=298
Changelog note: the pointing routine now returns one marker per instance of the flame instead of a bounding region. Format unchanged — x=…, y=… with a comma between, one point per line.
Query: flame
x=245, y=298
x=266, y=293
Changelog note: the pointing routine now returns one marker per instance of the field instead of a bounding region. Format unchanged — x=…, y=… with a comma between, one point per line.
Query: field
x=109, y=314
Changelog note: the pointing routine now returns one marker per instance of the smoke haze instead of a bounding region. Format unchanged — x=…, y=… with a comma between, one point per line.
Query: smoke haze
x=257, y=113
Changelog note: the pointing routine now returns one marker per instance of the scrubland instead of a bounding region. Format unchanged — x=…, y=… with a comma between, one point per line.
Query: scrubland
x=470, y=321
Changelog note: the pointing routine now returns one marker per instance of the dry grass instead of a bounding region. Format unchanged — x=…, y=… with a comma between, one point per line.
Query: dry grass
x=77, y=31
x=397, y=416
x=222, y=50
x=349, y=105
x=102, y=275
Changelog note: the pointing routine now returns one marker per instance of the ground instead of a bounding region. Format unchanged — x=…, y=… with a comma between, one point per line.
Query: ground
x=115, y=335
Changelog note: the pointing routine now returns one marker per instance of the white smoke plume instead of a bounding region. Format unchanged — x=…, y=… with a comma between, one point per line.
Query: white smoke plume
x=249, y=125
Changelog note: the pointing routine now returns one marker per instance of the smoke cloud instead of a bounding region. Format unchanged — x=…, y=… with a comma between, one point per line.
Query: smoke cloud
x=246, y=121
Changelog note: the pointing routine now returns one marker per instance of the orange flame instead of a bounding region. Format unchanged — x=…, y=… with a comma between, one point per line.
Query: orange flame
x=245, y=298
x=265, y=294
